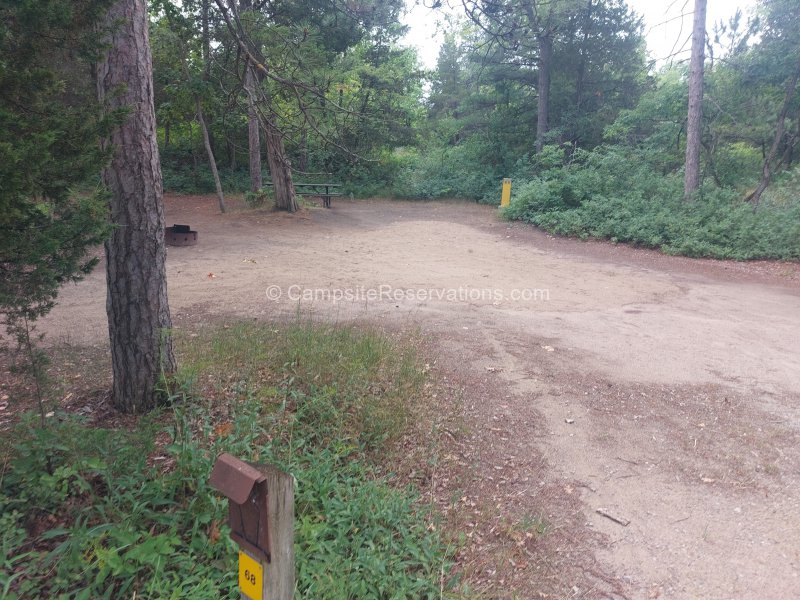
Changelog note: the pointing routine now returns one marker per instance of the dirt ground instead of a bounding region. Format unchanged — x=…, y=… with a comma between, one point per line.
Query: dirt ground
x=661, y=391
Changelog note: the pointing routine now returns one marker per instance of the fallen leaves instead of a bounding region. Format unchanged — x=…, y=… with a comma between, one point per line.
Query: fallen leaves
x=224, y=429
x=213, y=532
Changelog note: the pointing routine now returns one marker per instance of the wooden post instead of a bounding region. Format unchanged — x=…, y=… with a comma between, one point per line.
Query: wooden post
x=279, y=573
x=261, y=518
x=505, y=198
x=273, y=580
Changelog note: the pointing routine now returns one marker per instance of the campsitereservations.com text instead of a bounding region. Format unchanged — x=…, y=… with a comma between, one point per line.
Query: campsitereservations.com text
x=387, y=293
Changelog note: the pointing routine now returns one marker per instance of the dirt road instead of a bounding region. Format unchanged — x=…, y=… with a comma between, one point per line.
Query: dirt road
x=664, y=391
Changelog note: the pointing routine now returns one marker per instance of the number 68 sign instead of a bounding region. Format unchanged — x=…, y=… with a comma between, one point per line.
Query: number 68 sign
x=251, y=577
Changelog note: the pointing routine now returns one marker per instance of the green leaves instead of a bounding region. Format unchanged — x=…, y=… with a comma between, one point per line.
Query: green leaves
x=111, y=513
x=50, y=157
x=613, y=193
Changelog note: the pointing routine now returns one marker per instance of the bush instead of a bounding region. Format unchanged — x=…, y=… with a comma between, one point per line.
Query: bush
x=366, y=179
x=449, y=172
x=612, y=193
x=186, y=180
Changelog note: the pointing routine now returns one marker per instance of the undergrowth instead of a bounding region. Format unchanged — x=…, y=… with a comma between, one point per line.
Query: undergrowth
x=91, y=512
x=614, y=193
x=198, y=180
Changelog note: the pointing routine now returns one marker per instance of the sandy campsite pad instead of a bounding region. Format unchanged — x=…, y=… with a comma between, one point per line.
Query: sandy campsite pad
x=644, y=409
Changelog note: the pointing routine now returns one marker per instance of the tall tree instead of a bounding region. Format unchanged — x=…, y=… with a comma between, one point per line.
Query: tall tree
x=580, y=57
x=181, y=47
x=293, y=52
x=781, y=45
x=48, y=149
x=780, y=131
x=201, y=118
x=544, y=25
x=513, y=25
x=545, y=65
x=279, y=164
x=253, y=131
x=212, y=161
x=599, y=68
x=139, y=320
x=251, y=82
x=694, y=118
x=447, y=85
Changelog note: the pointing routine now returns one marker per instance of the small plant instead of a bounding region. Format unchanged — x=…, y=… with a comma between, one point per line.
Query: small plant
x=257, y=199
x=30, y=359
x=87, y=512
x=533, y=524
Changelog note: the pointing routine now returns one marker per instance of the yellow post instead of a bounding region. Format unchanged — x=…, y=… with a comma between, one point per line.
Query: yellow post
x=505, y=199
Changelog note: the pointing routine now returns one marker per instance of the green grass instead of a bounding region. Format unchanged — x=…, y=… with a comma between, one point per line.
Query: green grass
x=89, y=512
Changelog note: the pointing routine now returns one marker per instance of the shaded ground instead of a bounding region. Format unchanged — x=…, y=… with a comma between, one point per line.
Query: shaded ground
x=664, y=391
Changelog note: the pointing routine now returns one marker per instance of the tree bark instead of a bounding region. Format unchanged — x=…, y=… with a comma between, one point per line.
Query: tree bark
x=280, y=169
x=545, y=65
x=251, y=82
x=581, y=70
x=766, y=171
x=139, y=320
x=206, y=33
x=253, y=131
x=212, y=162
x=691, y=181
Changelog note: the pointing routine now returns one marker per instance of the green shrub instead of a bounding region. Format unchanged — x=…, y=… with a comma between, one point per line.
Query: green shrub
x=187, y=180
x=613, y=193
x=87, y=512
x=737, y=165
x=449, y=172
x=785, y=190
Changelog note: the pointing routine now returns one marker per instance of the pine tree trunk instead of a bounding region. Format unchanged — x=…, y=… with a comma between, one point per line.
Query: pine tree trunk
x=281, y=170
x=212, y=162
x=253, y=135
x=581, y=70
x=206, y=40
x=545, y=64
x=251, y=82
x=691, y=181
x=139, y=321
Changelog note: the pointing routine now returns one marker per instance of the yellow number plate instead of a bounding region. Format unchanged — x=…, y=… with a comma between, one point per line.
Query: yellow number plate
x=251, y=577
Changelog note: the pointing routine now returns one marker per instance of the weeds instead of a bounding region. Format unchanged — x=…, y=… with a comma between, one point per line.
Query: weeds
x=258, y=199
x=130, y=512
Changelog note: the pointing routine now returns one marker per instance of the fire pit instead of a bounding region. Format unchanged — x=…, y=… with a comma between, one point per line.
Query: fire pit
x=180, y=235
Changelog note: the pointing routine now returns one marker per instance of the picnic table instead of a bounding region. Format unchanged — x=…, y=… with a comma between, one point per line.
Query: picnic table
x=326, y=191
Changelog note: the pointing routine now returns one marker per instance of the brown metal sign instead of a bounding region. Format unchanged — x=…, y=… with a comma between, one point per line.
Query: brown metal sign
x=246, y=488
